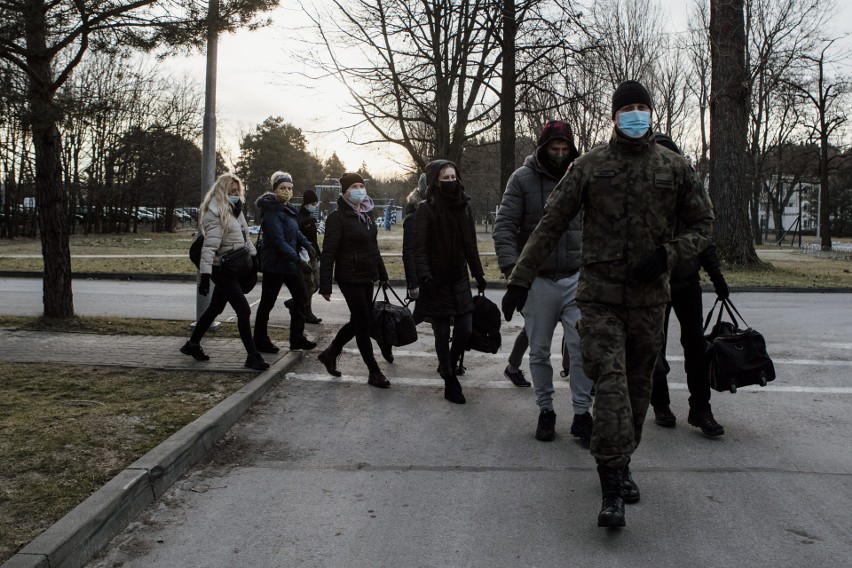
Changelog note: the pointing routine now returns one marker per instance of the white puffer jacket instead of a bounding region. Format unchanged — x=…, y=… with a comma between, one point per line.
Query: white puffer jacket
x=218, y=241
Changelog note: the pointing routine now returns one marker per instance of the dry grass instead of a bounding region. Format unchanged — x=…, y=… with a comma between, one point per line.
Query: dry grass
x=68, y=429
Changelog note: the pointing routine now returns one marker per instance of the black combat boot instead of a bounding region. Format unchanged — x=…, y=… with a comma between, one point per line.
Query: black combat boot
x=255, y=361
x=630, y=492
x=195, y=350
x=612, y=505
x=378, y=379
x=265, y=345
x=664, y=416
x=705, y=421
x=387, y=351
x=452, y=389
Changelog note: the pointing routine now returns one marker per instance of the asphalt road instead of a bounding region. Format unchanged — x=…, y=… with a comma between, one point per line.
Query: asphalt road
x=332, y=473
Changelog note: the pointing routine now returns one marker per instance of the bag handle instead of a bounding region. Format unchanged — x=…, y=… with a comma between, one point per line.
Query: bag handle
x=729, y=305
x=385, y=289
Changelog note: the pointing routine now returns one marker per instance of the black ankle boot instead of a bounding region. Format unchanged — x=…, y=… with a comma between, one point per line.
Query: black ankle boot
x=255, y=361
x=387, y=351
x=452, y=389
x=612, y=503
x=195, y=350
x=329, y=359
x=302, y=343
x=265, y=345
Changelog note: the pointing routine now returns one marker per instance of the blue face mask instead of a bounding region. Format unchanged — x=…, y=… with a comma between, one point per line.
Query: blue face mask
x=634, y=123
x=311, y=208
x=357, y=195
x=234, y=199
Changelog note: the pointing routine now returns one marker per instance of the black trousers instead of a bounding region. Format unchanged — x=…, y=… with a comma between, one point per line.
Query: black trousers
x=359, y=299
x=272, y=283
x=449, y=356
x=226, y=291
x=688, y=309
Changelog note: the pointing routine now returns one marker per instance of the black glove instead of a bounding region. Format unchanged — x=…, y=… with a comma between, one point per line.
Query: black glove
x=651, y=267
x=721, y=287
x=384, y=284
x=481, y=284
x=204, y=285
x=514, y=299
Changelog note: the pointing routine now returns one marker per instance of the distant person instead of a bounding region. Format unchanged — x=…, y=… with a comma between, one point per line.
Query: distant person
x=308, y=226
x=445, y=248
x=409, y=244
x=634, y=196
x=225, y=230
x=281, y=263
x=552, y=295
x=687, y=306
x=351, y=255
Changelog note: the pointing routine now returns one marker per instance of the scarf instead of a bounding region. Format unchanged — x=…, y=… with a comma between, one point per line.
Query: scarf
x=451, y=225
x=362, y=209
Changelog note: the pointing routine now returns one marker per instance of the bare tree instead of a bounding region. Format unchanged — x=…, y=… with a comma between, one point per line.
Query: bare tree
x=728, y=123
x=45, y=41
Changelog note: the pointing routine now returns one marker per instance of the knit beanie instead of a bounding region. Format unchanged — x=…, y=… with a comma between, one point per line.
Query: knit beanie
x=278, y=178
x=346, y=181
x=667, y=142
x=630, y=93
x=309, y=197
x=555, y=130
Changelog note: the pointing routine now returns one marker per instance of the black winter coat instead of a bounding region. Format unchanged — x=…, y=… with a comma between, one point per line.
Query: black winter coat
x=687, y=272
x=350, y=250
x=449, y=293
x=308, y=226
x=409, y=245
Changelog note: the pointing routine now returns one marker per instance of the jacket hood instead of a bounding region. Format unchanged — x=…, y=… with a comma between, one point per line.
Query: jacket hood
x=268, y=202
x=434, y=168
x=555, y=130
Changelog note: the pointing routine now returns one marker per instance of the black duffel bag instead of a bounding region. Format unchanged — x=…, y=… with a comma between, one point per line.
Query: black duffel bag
x=735, y=357
x=391, y=324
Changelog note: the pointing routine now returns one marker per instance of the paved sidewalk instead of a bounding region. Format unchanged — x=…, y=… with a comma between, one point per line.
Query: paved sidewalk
x=226, y=354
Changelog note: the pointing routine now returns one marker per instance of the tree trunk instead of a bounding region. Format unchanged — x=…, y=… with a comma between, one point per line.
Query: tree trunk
x=50, y=197
x=728, y=123
x=507, y=95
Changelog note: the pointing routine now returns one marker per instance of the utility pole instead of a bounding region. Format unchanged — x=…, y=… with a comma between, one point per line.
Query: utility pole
x=208, y=145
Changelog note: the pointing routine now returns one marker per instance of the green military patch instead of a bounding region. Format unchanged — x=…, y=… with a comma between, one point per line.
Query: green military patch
x=664, y=179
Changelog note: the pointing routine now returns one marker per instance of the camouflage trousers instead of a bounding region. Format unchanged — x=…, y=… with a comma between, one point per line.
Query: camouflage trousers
x=620, y=347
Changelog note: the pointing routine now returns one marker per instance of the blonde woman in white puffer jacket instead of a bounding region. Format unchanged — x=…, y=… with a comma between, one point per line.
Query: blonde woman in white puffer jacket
x=225, y=230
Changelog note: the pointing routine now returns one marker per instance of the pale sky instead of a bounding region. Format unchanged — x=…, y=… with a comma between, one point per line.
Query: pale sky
x=252, y=86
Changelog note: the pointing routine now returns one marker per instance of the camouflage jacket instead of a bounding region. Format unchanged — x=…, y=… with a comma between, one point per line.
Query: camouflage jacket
x=633, y=194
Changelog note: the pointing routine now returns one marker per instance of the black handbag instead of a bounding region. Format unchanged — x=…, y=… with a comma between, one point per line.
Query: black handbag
x=485, y=335
x=195, y=250
x=735, y=357
x=391, y=324
x=236, y=263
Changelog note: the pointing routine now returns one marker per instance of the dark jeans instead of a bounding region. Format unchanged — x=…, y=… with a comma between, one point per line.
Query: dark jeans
x=449, y=356
x=688, y=309
x=272, y=283
x=359, y=299
x=226, y=291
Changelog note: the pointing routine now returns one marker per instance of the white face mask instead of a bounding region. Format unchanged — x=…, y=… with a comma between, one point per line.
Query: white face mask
x=357, y=195
x=634, y=123
x=234, y=199
x=311, y=208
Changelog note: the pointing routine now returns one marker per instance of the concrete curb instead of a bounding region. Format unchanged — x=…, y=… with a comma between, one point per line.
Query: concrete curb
x=78, y=536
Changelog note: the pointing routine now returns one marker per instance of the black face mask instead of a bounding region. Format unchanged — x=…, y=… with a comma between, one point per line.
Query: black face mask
x=237, y=208
x=449, y=187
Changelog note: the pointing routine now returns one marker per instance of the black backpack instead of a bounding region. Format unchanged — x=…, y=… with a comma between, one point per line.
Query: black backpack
x=486, y=326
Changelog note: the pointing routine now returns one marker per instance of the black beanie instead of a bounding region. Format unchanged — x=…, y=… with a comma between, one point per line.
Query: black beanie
x=346, y=181
x=309, y=197
x=666, y=142
x=630, y=93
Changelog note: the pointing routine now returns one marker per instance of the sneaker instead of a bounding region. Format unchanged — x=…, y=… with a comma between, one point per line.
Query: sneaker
x=664, y=417
x=517, y=377
x=195, y=350
x=302, y=343
x=581, y=428
x=255, y=361
x=546, y=430
x=265, y=345
x=377, y=379
x=705, y=421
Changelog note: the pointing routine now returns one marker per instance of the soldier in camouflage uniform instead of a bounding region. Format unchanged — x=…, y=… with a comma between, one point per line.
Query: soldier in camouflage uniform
x=633, y=194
